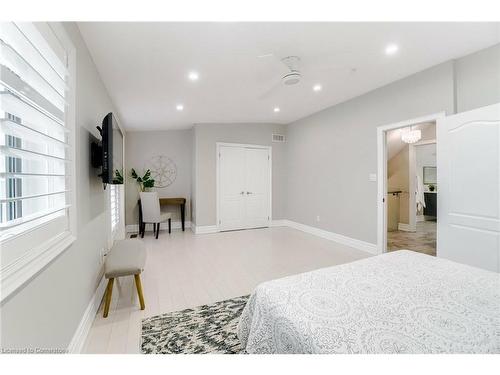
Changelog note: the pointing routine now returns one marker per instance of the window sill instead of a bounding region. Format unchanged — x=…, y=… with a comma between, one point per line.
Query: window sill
x=16, y=274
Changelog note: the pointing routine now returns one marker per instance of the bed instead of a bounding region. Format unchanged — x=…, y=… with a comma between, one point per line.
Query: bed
x=398, y=302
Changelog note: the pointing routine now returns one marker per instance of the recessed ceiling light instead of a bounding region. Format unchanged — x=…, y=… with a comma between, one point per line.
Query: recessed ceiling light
x=391, y=49
x=179, y=107
x=317, y=87
x=193, y=76
x=276, y=109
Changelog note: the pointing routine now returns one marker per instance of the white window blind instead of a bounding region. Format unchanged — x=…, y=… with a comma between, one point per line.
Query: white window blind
x=34, y=137
x=114, y=197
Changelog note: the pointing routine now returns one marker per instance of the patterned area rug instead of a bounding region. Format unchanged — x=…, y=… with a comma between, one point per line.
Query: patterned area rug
x=200, y=330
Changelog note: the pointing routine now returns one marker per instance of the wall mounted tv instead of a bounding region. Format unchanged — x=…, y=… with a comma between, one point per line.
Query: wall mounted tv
x=107, y=154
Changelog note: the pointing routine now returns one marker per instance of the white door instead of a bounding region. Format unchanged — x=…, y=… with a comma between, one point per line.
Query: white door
x=468, y=187
x=244, y=187
x=257, y=187
x=232, y=193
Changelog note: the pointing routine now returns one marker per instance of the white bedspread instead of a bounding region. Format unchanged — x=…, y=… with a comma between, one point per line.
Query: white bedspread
x=399, y=302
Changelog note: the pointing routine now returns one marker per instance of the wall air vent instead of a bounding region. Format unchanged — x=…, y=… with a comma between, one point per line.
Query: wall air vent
x=278, y=138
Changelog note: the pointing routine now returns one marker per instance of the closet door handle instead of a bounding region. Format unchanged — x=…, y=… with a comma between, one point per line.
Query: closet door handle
x=242, y=193
x=249, y=192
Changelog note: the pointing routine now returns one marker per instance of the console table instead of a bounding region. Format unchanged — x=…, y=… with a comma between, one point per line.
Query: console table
x=167, y=202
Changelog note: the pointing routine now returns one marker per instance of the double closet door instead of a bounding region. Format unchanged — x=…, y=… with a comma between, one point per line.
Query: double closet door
x=244, y=187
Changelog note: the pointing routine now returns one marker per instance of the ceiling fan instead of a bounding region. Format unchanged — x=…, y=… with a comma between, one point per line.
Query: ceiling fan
x=294, y=73
x=291, y=77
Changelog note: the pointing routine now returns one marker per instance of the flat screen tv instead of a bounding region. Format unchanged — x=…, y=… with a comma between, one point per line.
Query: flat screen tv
x=108, y=153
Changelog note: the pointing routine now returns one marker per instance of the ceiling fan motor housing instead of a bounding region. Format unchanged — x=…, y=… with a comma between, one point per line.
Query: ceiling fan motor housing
x=292, y=78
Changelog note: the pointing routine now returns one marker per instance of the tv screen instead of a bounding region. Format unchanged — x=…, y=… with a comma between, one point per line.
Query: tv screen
x=112, y=151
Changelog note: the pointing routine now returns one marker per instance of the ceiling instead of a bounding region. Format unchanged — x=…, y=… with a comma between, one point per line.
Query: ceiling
x=395, y=144
x=145, y=66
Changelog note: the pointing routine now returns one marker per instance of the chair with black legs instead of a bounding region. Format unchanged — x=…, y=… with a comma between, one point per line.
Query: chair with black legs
x=151, y=213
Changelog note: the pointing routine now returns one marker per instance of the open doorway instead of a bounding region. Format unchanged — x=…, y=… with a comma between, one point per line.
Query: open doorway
x=408, y=190
x=412, y=188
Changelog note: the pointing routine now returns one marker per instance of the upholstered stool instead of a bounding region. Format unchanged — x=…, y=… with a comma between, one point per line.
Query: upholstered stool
x=127, y=257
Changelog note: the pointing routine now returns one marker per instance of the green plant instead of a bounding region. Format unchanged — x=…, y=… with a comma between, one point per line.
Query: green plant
x=145, y=181
x=118, y=179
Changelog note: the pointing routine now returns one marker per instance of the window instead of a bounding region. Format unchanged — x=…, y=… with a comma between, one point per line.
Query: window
x=114, y=197
x=13, y=209
x=36, y=142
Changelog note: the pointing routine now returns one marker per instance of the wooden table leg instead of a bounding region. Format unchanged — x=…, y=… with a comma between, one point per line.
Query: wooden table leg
x=183, y=208
x=139, y=290
x=107, y=300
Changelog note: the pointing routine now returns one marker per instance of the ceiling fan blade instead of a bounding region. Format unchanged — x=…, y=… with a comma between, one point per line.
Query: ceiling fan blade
x=265, y=56
x=291, y=62
x=315, y=72
x=269, y=92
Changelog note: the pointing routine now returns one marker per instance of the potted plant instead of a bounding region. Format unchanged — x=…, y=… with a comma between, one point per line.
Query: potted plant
x=145, y=182
x=118, y=179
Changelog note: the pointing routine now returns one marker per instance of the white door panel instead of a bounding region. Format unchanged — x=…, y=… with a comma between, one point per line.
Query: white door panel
x=468, y=156
x=256, y=212
x=232, y=187
x=233, y=213
x=257, y=187
x=244, y=187
x=474, y=147
x=464, y=244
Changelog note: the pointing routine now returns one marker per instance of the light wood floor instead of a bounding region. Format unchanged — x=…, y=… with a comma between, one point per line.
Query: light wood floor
x=186, y=270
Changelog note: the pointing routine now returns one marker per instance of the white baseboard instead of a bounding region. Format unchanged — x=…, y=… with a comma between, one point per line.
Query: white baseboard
x=352, y=242
x=421, y=218
x=81, y=333
x=205, y=229
x=280, y=223
x=348, y=241
x=405, y=227
x=134, y=228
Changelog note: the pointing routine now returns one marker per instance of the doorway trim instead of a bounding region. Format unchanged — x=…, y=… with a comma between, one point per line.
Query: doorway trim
x=218, y=145
x=382, y=172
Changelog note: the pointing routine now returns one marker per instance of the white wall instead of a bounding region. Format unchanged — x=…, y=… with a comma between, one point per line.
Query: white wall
x=398, y=179
x=46, y=312
x=331, y=153
x=194, y=152
x=140, y=147
x=206, y=137
x=425, y=156
x=478, y=79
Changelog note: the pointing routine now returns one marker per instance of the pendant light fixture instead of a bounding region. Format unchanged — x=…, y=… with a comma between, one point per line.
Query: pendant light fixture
x=408, y=135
